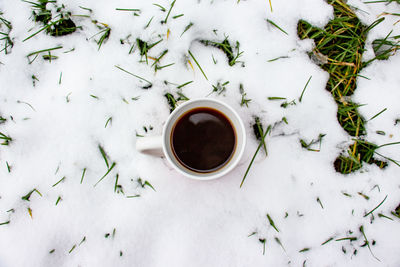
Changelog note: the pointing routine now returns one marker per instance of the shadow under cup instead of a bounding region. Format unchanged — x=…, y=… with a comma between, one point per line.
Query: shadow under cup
x=204, y=105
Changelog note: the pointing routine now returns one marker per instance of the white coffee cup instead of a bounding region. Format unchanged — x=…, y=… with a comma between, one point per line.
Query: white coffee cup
x=161, y=145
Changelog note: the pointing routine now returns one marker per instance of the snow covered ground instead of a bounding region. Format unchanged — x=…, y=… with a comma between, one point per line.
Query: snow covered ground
x=61, y=114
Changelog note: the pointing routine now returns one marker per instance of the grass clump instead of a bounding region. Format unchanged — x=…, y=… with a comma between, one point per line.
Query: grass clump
x=396, y=212
x=5, y=29
x=232, y=53
x=104, y=33
x=244, y=100
x=219, y=88
x=338, y=49
x=385, y=47
x=360, y=151
x=172, y=100
x=42, y=14
x=5, y=139
x=309, y=145
x=144, y=47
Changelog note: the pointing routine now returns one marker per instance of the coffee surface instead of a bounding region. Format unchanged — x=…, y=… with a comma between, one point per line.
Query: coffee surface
x=203, y=140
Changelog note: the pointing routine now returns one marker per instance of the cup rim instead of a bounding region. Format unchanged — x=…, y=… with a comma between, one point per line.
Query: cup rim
x=225, y=169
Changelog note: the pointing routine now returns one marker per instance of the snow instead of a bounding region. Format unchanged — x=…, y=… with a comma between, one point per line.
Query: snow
x=57, y=128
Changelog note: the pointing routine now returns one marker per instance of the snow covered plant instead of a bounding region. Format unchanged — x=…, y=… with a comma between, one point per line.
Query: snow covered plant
x=5, y=28
x=54, y=19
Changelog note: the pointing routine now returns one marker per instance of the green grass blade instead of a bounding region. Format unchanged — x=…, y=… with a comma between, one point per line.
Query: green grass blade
x=143, y=79
x=42, y=29
x=276, y=26
x=255, y=154
x=302, y=93
x=169, y=11
x=198, y=65
x=375, y=207
x=104, y=176
x=379, y=113
x=103, y=153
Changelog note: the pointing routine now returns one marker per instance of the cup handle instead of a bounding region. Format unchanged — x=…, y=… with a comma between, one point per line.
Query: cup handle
x=151, y=145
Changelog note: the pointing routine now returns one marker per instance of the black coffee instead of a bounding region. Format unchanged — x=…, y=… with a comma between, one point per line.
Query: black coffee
x=203, y=140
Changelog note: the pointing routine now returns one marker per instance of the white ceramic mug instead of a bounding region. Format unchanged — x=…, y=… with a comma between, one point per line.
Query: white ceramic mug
x=161, y=145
